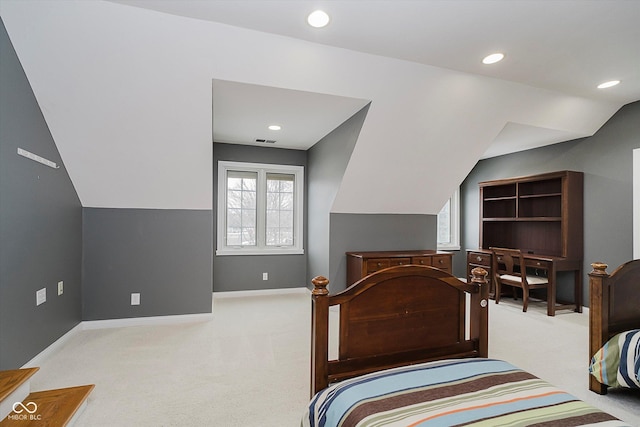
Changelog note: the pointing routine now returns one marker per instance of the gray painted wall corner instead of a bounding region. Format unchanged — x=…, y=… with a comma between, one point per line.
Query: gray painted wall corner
x=164, y=255
x=328, y=160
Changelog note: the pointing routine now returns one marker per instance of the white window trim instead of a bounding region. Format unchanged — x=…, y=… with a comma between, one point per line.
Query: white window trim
x=260, y=168
x=454, y=244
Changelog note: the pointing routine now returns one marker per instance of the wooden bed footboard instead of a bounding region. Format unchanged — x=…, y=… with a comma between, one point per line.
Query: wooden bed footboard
x=397, y=316
x=614, y=307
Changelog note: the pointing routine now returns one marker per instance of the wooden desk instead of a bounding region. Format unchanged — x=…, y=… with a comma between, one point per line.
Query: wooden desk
x=550, y=264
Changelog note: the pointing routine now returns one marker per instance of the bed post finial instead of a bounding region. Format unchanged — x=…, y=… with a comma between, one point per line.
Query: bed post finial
x=479, y=275
x=599, y=269
x=320, y=285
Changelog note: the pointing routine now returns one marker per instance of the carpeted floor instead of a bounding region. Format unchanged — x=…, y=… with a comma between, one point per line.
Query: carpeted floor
x=249, y=365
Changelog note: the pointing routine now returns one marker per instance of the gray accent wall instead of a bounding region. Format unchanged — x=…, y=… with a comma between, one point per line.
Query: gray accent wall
x=328, y=160
x=375, y=232
x=40, y=225
x=333, y=234
x=163, y=254
x=244, y=272
x=606, y=161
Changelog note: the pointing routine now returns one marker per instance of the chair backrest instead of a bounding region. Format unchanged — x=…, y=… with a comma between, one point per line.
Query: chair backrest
x=507, y=257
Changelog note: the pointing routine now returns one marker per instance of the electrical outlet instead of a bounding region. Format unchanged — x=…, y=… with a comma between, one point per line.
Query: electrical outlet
x=265, y=276
x=60, y=288
x=135, y=299
x=41, y=296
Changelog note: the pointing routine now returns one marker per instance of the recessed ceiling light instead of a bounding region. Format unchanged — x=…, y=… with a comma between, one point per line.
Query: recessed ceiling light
x=493, y=58
x=318, y=19
x=610, y=83
x=275, y=127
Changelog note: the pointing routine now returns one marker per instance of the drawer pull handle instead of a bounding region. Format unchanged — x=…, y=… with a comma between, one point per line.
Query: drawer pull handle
x=441, y=261
x=421, y=261
x=400, y=263
x=479, y=258
x=538, y=263
x=379, y=264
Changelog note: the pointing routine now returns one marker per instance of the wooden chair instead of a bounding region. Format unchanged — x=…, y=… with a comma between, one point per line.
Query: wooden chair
x=503, y=262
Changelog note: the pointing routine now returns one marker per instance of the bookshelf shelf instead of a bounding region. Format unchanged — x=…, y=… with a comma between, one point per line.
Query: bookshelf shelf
x=541, y=213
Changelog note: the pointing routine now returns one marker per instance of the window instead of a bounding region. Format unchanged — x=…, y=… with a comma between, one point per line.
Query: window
x=449, y=224
x=260, y=209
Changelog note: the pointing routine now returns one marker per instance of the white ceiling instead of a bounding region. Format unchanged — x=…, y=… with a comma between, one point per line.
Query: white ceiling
x=129, y=93
x=568, y=46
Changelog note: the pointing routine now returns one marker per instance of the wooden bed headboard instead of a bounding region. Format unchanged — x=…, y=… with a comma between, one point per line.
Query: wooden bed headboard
x=394, y=317
x=614, y=306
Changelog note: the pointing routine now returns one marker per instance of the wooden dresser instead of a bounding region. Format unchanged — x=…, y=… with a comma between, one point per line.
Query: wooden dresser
x=361, y=264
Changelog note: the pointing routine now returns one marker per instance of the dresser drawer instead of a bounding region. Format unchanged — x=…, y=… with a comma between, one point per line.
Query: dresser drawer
x=443, y=262
x=399, y=261
x=376, y=264
x=478, y=258
x=538, y=263
x=421, y=260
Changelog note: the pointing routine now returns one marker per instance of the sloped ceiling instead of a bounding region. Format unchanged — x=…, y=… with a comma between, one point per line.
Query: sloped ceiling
x=127, y=94
x=560, y=45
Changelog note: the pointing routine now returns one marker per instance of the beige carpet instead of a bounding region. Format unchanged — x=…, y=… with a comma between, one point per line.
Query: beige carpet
x=249, y=365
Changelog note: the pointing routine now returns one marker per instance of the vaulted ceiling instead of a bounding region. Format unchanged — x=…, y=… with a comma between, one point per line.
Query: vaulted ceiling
x=134, y=95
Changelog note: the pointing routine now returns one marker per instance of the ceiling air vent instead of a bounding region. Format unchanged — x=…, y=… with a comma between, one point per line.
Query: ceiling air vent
x=266, y=141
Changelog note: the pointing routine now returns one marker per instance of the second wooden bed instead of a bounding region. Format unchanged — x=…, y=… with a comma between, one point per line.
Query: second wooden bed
x=614, y=308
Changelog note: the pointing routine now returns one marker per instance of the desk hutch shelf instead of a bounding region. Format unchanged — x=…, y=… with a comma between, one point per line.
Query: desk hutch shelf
x=539, y=214
x=542, y=215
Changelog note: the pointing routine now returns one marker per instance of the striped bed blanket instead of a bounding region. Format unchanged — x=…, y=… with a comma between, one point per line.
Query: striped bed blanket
x=455, y=392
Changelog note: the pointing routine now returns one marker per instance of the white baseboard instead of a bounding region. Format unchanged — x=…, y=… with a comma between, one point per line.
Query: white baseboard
x=255, y=293
x=146, y=321
x=54, y=347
